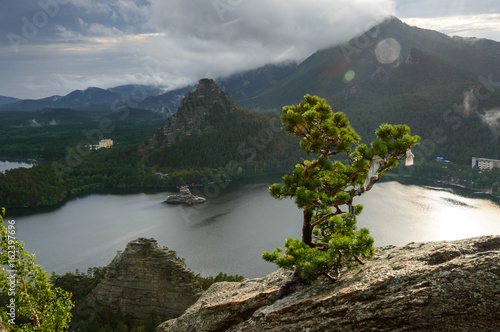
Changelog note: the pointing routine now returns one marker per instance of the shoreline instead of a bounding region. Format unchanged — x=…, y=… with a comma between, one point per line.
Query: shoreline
x=406, y=180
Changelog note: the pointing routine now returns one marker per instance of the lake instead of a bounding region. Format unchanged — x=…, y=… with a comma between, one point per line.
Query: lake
x=237, y=223
x=5, y=165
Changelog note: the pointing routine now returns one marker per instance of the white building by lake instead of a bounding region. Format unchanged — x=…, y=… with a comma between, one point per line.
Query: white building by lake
x=484, y=163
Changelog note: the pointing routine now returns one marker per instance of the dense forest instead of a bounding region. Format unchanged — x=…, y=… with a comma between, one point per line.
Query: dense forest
x=250, y=144
x=51, y=183
x=88, y=317
x=437, y=101
x=46, y=134
x=247, y=144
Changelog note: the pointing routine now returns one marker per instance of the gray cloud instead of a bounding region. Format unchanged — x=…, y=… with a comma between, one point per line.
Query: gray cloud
x=105, y=43
x=441, y=8
x=81, y=43
x=482, y=25
x=465, y=18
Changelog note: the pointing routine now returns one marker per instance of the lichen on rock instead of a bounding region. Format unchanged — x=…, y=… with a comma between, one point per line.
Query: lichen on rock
x=430, y=286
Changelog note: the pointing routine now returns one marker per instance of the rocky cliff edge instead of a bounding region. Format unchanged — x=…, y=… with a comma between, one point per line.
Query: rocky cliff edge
x=431, y=286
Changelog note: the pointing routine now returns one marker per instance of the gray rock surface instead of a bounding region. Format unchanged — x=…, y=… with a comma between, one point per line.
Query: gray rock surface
x=146, y=277
x=431, y=286
x=196, y=113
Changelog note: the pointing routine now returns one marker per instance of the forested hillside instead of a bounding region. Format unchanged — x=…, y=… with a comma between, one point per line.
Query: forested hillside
x=435, y=99
x=219, y=142
x=444, y=88
x=211, y=134
x=46, y=134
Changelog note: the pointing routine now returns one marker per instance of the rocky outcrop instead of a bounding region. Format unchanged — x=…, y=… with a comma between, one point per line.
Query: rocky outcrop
x=196, y=113
x=433, y=286
x=412, y=58
x=144, y=278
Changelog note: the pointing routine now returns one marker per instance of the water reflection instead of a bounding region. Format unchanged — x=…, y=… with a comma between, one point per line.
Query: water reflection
x=231, y=230
x=5, y=165
x=409, y=213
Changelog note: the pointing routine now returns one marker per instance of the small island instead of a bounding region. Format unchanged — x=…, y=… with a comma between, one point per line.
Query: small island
x=184, y=197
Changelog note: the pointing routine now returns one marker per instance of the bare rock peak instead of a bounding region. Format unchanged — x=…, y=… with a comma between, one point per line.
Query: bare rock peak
x=196, y=113
x=145, y=277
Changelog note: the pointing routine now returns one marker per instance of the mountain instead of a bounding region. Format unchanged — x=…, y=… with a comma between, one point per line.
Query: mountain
x=137, y=91
x=7, y=100
x=94, y=97
x=436, y=99
x=197, y=113
x=89, y=99
x=323, y=73
x=444, y=88
x=165, y=103
x=161, y=284
x=245, y=85
x=154, y=98
x=211, y=131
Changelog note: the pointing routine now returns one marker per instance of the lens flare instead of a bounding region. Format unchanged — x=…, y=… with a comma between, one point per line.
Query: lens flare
x=387, y=51
x=349, y=76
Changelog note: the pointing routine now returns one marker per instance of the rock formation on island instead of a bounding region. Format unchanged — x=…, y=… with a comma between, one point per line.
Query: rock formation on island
x=196, y=113
x=144, y=278
x=431, y=286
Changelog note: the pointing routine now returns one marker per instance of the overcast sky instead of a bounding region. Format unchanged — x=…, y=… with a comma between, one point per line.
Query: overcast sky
x=51, y=47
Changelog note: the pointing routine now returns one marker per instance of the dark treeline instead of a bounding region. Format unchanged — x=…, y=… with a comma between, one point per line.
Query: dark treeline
x=245, y=144
x=45, y=135
x=249, y=144
x=50, y=184
x=464, y=175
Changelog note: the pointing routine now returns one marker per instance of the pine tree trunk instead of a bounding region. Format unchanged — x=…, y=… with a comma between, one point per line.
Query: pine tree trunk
x=307, y=228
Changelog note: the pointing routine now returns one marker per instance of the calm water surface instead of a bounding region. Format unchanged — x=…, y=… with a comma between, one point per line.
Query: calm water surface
x=5, y=165
x=231, y=230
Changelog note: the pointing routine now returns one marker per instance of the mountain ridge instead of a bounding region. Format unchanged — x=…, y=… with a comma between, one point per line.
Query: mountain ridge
x=4, y=100
x=323, y=72
x=370, y=78
x=274, y=85
x=250, y=88
x=239, y=85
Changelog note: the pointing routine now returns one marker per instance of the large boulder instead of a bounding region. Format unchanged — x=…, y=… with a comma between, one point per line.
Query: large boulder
x=432, y=286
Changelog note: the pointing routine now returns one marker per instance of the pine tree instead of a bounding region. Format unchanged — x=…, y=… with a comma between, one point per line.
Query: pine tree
x=494, y=188
x=325, y=187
